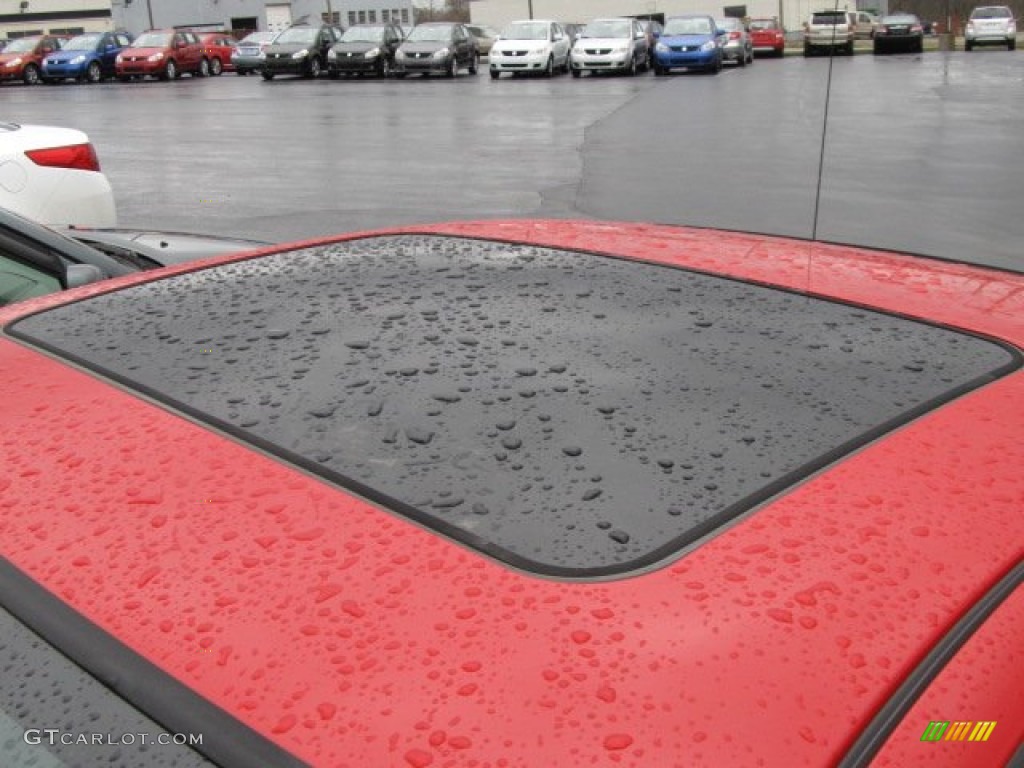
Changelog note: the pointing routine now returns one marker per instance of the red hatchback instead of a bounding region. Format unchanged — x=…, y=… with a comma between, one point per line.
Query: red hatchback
x=517, y=493
x=22, y=59
x=767, y=36
x=218, y=47
x=163, y=53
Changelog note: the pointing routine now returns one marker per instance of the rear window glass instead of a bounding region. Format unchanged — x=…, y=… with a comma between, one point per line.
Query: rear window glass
x=568, y=413
x=992, y=13
x=829, y=18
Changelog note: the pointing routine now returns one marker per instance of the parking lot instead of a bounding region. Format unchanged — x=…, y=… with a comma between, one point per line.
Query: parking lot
x=921, y=152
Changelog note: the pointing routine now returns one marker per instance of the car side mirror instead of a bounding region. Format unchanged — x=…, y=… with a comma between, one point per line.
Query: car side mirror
x=77, y=275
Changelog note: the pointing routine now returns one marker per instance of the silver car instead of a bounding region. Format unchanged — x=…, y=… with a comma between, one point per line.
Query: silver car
x=991, y=25
x=736, y=43
x=611, y=45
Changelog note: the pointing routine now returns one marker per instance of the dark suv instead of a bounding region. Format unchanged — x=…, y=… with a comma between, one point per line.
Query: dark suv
x=300, y=50
x=441, y=48
x=365, y=49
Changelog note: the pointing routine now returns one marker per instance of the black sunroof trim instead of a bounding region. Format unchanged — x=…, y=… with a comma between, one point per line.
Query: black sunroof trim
x=486, y=547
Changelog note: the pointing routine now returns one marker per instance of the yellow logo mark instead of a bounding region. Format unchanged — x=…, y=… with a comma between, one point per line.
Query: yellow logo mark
x=960, y=730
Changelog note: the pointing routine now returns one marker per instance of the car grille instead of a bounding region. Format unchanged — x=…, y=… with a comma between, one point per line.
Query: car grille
x=419, y=55
x=597, y=51
x=684, y=48
x=133, y=58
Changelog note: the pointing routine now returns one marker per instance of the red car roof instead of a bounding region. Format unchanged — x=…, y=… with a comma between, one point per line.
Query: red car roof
x=351, y=636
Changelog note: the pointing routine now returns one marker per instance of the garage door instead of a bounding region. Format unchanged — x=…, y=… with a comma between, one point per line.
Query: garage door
x=279, y=17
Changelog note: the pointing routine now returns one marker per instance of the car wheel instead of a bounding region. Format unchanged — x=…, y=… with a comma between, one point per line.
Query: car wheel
x=968, y=46
x=1011, y=45
x=849, y=48
x=780, y=52
x=742, y=60
x=807, y=50
x=170, y=70
x=30, y=75
x=717, y=66
x=659, y=71
x=549, y=68
x=125, y=78
x=919, y=46
x=576, y=73
x=204, y=68
x=93, y=73
x=216, y=68
x=385, y=67
x=453, y=67
x=632, y=67
x=267, y=75
x=313, y=70
x=241, y=72
x=474, y=64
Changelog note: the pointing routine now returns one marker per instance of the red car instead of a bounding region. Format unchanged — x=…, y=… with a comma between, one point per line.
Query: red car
x=218, y=47
x=767, y=35
x=165, y=54
x=518, y=493
x=22, y=59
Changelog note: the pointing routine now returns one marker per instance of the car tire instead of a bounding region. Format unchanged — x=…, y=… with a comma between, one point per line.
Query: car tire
x=849, y=48
x=495, y=74
x=385, y=67
x=780, y=52
x=125, y=78
x=170, y=70
x=807, y=50
x=1011, y=45
x=717, y=66
x=267, y=75
x=204, y=68
x=549, y=70
x=576, y=73
x=313, y=68
x=474, y=64
x=659, y=71
x=742, y=60
x=968, y=46
x=401, y=75
x=216, y=68
x=93, y=73
x=919, y=46
x=31, y=75
x=453, y=67
x=632, y=67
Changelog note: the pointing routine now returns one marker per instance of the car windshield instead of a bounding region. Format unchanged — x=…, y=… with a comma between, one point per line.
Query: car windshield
x=153, y=40
x=259, y=37
x=997, y=12
x=763, y=24
x=609, y=28
x=525, y=30
x=687, y=27
x=22, y=45
x=82, y=43
x=297, y=36
x=430, y=33
x=363, y=35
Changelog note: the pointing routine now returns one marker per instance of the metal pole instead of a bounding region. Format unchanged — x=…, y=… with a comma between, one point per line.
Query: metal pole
x=149, y=7
x=529, y=4
x=330, y=13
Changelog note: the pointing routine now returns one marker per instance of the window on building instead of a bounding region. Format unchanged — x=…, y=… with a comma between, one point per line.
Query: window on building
x=385, y=15
x=331, y=18
x=70, y=31
x=405, y=15
x=371, y=16
x=351, y=18
x=362, y=17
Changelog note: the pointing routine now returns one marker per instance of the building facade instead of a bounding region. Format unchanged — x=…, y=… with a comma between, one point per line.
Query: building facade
x=24, y=17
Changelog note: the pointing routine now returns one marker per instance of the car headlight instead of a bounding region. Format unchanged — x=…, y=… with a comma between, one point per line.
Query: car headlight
x=262, y=56
x=300, y=54
x=542, y=51
x=620, y=49
x=119, y=59
x=708, y=46
x=78, y=60
x=332, y=54
x=399, y=54
x=13, y=63
x=156, y=57
x=661, y=47
x=373, y=53
x=441, y=54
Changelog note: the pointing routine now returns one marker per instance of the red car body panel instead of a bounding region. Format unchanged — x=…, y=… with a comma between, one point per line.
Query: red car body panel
x=45, y=45
x=135, y=61
x=218, y=46
x=763, y=39
x=354, y=637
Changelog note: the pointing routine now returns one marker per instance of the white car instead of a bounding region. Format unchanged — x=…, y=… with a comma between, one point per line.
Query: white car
x=537, y=46
x=611, y=45
x=52, y=175
x=991, y=25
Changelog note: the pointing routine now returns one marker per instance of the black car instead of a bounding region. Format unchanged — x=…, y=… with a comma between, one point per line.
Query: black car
x=365, y=49
x=441, y=48
x=899, y=31
x=300, y=50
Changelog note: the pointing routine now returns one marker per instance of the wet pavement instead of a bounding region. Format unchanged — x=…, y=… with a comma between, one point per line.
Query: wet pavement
x=921, y=152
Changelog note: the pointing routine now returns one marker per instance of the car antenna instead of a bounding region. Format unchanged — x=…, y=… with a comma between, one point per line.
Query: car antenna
x=824, y=132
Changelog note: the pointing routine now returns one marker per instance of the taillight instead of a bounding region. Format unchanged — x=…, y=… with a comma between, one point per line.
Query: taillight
x=734, y=35
x=917, y=28
x=82, y=157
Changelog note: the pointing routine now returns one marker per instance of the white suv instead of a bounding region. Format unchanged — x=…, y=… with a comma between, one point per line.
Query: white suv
x=830, y=30
x=991, y=25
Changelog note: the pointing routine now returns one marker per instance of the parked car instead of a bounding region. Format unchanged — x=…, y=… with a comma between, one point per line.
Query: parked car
x=899, y=31
x=165, y=54
x=536, y=46
x=437, y=48
x=88, y=58
x=483, y=36
x=36, y=260
x=22, y=59
x=365, y=49
x=990, y=25
x=830, y=31
x=693, y=41
x=300, y=50
x=737, y=46
x=52, y=175
x=218, y=47
x=517, y=494
x=865, y=25
x=767, y=35
x=248, y=55
x=611, y=45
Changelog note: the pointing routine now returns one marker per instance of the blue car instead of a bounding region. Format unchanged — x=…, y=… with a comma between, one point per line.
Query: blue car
x=89, y=57
x=691, y=42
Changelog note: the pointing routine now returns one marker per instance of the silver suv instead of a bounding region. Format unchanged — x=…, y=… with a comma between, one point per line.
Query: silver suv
x=830, y=30
x=991, y=25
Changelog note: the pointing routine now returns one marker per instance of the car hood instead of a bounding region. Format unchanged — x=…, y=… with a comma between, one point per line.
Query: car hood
x=424, y=47
x=5, y=57
x=143, y=51
x=686, y=39
x=360, y=47
x=349, y=635
x=601, y=42
x=164, y=248
x=287, y=48
x=521, y=45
